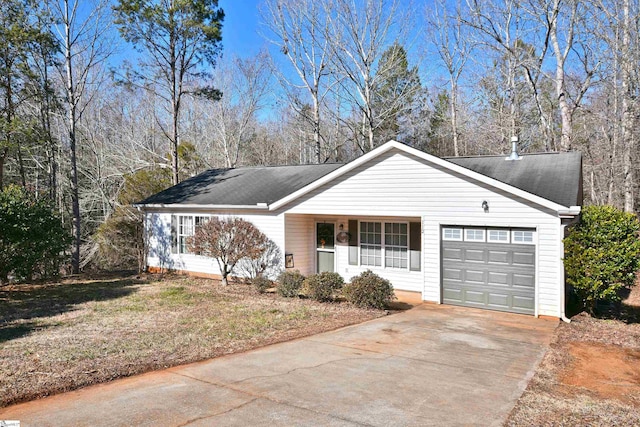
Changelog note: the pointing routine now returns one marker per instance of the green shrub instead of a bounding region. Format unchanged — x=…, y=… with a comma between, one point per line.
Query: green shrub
x=289, y=283
x=368, y=290
x=322, y=286
x=602, y=254
x=32, y=238
x=261, y=283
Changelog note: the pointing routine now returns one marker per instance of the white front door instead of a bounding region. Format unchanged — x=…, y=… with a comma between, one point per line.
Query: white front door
x=325, y=247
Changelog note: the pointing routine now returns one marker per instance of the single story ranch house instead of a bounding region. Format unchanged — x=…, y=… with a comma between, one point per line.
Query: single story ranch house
x=482, y=232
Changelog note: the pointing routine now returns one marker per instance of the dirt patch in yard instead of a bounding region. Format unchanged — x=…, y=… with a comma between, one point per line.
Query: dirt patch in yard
x=589, y=376
x=615, y=375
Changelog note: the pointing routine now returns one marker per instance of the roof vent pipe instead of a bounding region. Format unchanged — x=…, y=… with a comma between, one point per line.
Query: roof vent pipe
x=514, y=149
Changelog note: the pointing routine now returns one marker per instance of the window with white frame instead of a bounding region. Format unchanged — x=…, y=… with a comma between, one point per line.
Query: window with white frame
x=498, y=236
x=451, y=233
x=395, y=245
x=474, y=234
x=184, y=226
x=522, y=236
x=371, y=244
x=185, y=230
x=384, y=240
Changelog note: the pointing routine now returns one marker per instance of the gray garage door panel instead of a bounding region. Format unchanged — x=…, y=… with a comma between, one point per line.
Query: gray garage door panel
x=488, y=275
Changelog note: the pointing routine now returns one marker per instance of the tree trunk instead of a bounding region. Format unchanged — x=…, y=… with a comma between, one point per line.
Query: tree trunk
x=316, y=128
x=225, y=281
x=454, y=116
x=627, y=113
x=71, y=117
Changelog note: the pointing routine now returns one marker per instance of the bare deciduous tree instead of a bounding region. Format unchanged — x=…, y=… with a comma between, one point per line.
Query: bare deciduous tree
x=84, y=45
x=229, y=241
x=299, y=30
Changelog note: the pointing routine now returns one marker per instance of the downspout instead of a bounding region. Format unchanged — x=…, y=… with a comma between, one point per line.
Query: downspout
x=563, y=289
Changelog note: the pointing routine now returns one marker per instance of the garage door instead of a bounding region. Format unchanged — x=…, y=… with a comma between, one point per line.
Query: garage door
x=492, y=268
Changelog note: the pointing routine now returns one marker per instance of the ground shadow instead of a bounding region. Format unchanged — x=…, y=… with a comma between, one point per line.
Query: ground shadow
x=626, y=310
x=26, y=302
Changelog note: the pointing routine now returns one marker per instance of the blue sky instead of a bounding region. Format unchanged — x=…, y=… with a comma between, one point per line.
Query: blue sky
x=240, y=30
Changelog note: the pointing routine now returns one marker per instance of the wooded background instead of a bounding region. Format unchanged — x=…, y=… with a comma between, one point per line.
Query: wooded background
x=105, y=102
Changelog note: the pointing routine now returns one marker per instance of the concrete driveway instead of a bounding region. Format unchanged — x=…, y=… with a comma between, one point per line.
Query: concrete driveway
x=432, y=365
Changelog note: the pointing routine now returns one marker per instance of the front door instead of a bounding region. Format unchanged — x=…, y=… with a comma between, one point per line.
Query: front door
x=325, y=247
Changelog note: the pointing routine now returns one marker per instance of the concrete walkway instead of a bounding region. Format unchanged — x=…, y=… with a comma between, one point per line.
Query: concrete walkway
x=432, y=365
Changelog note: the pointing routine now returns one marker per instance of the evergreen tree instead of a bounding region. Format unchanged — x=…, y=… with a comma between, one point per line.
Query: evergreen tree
x=397, y=87
x=179, y=38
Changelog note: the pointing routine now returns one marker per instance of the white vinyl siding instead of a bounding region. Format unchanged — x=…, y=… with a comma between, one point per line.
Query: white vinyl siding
x=397, y=184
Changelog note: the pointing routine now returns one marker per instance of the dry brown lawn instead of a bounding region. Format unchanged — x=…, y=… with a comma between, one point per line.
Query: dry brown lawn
x=590, y=375
x=62, y=336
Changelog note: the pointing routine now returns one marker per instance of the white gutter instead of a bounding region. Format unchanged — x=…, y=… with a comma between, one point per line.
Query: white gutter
x=563, y=290
x=569, y=212
x=259, y=206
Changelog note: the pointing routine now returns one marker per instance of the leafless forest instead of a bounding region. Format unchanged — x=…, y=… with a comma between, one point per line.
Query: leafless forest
x=104, y=102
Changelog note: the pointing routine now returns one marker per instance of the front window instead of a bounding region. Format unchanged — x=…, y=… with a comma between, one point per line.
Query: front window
x=392, y=245
x=185, y=230
x=395, y=245
x=371, y=244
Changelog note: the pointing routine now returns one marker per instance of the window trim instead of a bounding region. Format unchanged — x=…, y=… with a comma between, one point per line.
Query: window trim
x=193, y=217
x=522, y=242
x=503, y=230
x=452, y=239
x=482, y=230
x=383, y=245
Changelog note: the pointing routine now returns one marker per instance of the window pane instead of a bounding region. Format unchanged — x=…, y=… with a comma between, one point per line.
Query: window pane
x=499, y=236
x=474, y=235
x=452, y=234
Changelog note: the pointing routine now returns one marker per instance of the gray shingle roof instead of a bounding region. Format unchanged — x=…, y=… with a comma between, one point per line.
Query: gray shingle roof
x=553, y=176
x=242, y=186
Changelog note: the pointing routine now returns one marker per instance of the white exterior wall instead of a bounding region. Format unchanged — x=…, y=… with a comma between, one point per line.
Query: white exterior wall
x=159, y=228
x=396, y=184
x=299, y=241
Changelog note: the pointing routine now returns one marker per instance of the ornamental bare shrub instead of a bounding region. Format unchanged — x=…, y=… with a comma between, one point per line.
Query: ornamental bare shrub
x=268, y=264
x=289, y=283
x=322, y=286
x=368, y=290
x=228, y=241
x=602, y=254
x=32, y=239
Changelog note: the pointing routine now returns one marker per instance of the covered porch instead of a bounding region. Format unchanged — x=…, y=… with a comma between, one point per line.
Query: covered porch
x=348, y=245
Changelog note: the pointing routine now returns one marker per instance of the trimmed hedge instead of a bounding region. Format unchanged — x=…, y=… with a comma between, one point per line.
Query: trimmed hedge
x=602, y=254
x=290, y=283
x=368, y=290
x=322, y=286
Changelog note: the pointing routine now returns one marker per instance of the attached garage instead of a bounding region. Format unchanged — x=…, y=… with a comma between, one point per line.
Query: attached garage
x=492, y=268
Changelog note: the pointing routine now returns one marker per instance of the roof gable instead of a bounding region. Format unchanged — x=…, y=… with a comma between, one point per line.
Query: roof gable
x=452, y=166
